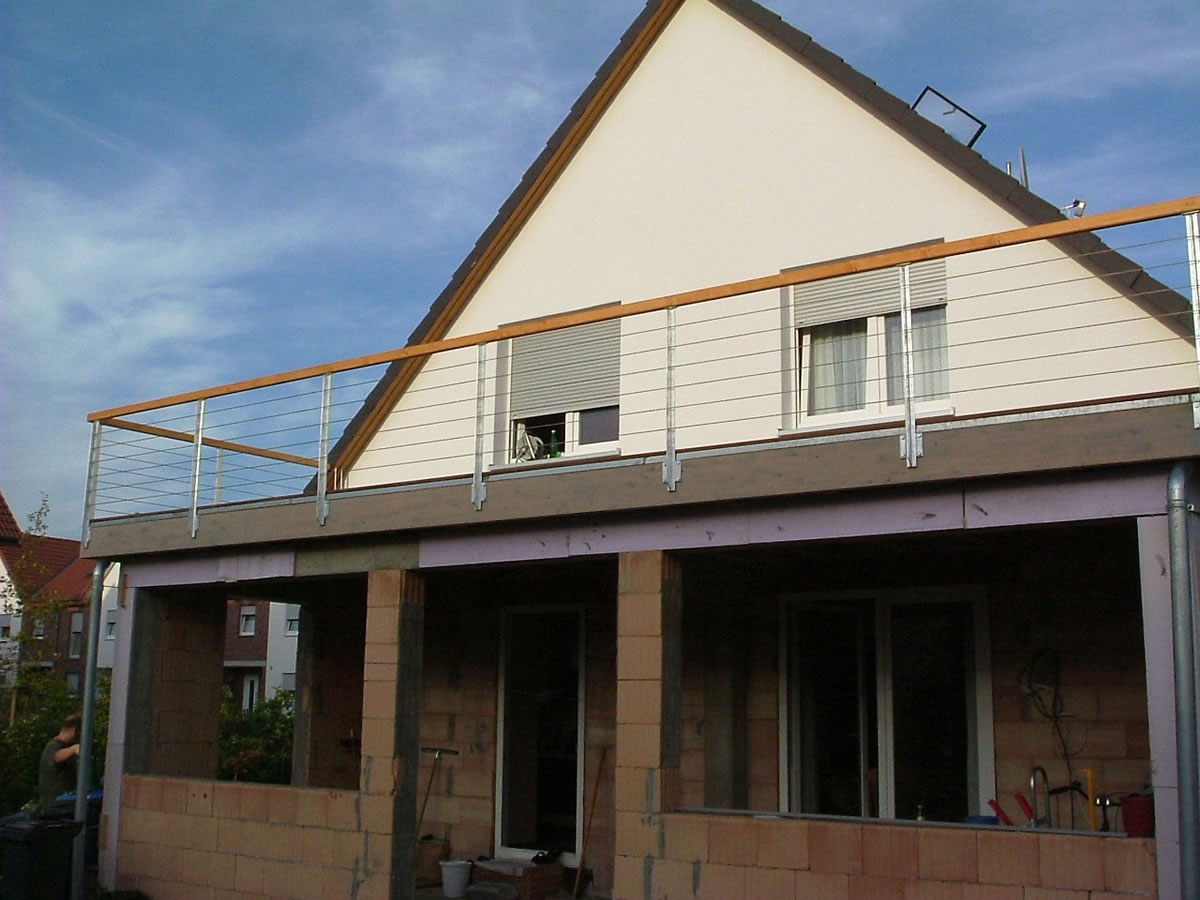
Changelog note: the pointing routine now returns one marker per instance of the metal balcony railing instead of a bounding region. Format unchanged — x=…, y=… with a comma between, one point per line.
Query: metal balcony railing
x=1034, y=321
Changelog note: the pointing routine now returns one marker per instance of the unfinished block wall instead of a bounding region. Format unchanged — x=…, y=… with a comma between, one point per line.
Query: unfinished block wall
x=1083, y=642
x=185, y=692
x=185, y=839
x=332, y=690
x=730, y=749
x=747, y=858
x=459, y=693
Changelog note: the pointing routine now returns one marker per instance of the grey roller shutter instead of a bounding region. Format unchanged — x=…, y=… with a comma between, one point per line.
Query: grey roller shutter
x=867, y=294
x=566, y=370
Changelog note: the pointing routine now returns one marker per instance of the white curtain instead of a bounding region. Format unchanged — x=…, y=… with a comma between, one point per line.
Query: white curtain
x=930, y=360
x=837, y=369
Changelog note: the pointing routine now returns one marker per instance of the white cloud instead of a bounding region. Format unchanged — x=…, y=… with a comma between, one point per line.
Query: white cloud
x=1094, y=57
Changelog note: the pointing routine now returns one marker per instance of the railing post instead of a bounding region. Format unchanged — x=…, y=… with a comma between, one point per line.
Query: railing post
x=672, y=471
x=323, y=449
x=93, y=479
x=478, y=487
x=910, y=441
x=198, y=447
x=1192, y=221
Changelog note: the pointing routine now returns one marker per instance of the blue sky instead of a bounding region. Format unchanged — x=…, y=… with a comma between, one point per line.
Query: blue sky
x=198, y=192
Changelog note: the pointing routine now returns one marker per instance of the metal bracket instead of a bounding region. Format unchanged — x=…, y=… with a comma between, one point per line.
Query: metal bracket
x=919, y=443
x=478, y=486
x=672, y=469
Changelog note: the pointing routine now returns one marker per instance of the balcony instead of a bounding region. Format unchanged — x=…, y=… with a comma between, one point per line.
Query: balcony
x=1005, y=353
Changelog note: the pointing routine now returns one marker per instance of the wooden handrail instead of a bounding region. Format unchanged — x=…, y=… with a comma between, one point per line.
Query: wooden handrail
x=184, y=436
x=803, y=275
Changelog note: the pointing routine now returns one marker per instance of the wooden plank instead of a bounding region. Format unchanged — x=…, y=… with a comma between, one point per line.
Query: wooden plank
x=803, y=275
x=171, y=434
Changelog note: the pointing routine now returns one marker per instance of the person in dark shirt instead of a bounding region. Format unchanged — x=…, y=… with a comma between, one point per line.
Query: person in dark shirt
x=57, y=767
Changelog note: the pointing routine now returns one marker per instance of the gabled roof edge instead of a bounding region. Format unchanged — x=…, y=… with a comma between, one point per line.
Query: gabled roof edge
x=1117, y=270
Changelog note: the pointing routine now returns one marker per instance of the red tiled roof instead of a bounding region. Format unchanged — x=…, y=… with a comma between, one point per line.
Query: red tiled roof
x=72, y=583
x=49, y=556
x=9, y=529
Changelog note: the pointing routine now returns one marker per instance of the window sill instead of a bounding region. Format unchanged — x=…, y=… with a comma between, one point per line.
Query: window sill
x=604, y=452
x=841, y=422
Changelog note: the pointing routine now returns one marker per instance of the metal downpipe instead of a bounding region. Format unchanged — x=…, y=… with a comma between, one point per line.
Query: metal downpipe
x=1182, y=602
x=86, y=732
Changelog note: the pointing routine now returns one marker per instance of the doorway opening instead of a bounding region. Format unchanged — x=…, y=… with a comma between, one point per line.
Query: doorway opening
x=539, y=776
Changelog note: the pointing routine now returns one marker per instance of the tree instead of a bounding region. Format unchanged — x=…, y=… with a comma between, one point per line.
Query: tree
x=21, y=593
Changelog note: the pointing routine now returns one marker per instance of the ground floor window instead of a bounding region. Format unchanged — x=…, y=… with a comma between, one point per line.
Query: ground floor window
x=887, y=705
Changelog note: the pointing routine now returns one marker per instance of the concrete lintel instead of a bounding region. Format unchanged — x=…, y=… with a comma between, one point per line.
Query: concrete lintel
x=228, y=567
x=359, y=557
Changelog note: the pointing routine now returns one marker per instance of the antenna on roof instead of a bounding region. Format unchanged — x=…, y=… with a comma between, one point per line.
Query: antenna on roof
x=949, y=116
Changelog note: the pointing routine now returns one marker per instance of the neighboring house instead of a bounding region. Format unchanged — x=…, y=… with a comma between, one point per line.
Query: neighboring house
x=10, y=620
x=776, y=591
x=52, y=584
x=260, y=649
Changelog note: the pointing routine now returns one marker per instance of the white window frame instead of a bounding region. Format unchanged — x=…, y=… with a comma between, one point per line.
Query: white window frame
x=291, y=623
x=876, y=407
x=571, y=857
x=981, y=775
x=251, y=695
x=247, y=616
x=75, y=637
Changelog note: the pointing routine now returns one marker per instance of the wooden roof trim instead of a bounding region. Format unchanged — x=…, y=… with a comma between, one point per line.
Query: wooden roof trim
x=382, y=405
x=803, y=275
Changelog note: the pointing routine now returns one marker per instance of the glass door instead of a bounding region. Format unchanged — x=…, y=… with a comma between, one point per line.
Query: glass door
x=541, y=731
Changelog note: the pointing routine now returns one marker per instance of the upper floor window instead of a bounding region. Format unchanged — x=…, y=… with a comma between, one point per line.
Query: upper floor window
x=110, y=625
x=292, y=619
x=247, y=622
x=850, y=345
x=75, y=646
x=565, y=391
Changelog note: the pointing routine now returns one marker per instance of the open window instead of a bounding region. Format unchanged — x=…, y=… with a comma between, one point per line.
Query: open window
x=888, y=705
x=850, y=346
x=565, y=392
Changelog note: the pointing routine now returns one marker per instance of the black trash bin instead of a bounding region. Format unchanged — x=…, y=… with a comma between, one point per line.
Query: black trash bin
x=37, y=859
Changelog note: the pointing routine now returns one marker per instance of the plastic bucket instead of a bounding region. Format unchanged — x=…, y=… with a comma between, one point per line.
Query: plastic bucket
x=1137, y=814
x=456, y=875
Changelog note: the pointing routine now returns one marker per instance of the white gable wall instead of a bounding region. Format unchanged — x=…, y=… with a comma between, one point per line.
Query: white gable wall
x=722, y=158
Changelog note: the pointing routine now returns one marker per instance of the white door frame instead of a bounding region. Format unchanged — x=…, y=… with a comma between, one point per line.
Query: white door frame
x=570, y=858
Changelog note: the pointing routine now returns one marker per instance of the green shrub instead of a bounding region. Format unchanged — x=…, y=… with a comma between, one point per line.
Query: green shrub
x=42, y=701
x=257, y=745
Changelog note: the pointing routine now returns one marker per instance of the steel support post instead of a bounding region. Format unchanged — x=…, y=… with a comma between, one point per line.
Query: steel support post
x=93, y=479
x=910, y=442
x=1192, y=221
x=323, y=449
x=672, y=470
x=478, y=486
x=83, y=776
x=198, y=449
